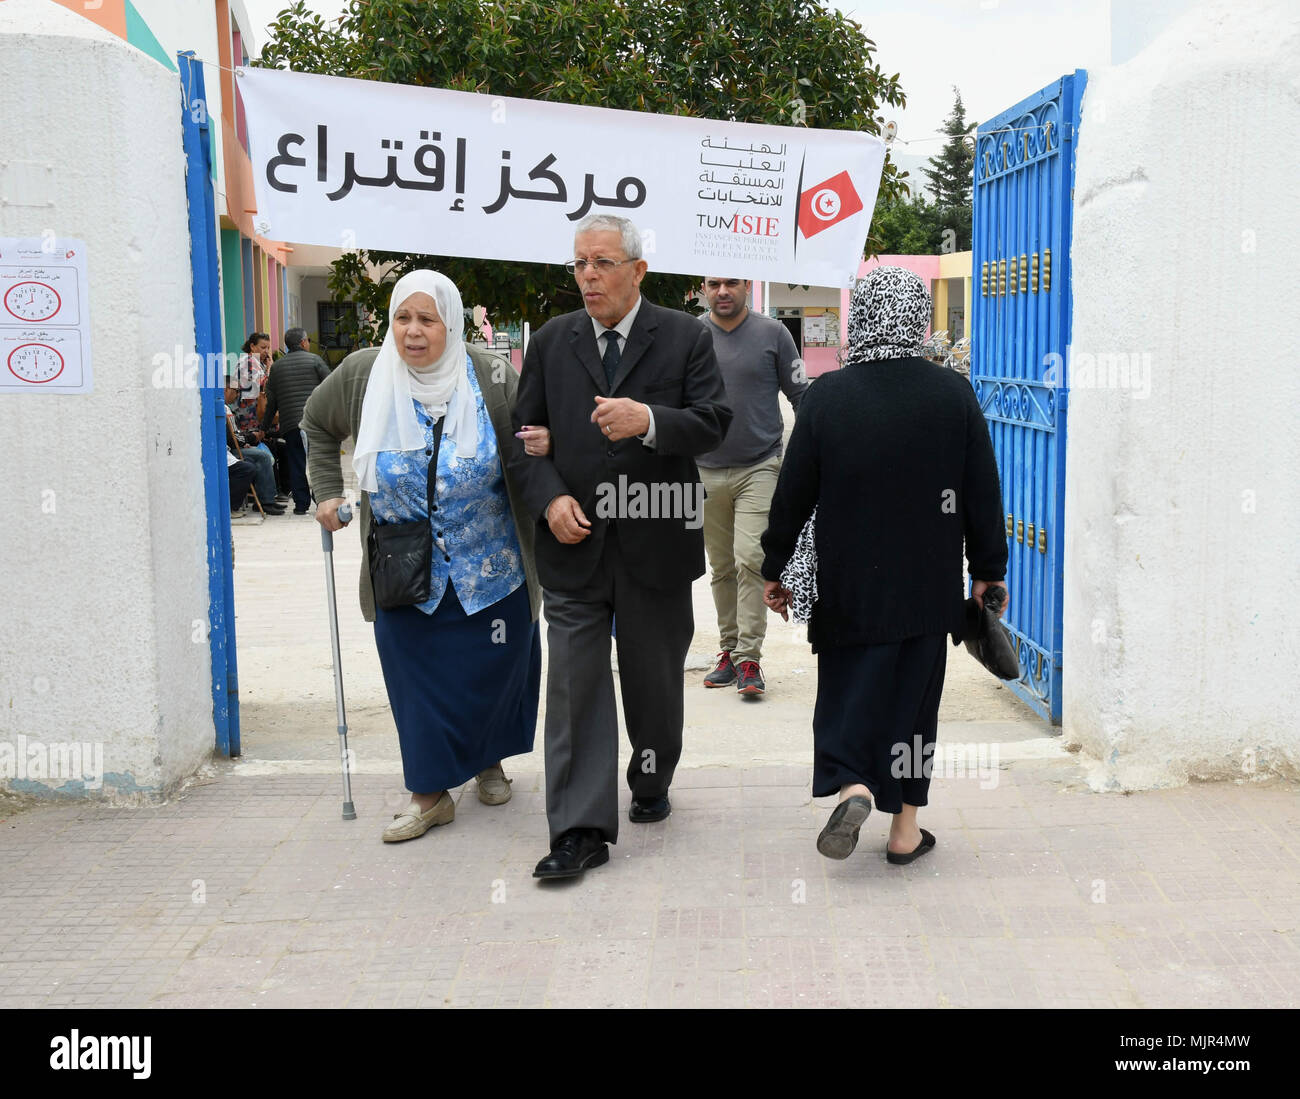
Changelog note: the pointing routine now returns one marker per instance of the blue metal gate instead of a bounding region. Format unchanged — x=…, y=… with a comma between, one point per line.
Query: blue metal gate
x=1024, y=185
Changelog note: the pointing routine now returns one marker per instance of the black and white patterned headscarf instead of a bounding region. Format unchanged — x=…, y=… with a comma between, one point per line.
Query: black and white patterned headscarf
x=888, y=315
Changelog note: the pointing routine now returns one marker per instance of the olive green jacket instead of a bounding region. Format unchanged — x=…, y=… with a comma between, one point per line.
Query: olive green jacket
x=333, y=413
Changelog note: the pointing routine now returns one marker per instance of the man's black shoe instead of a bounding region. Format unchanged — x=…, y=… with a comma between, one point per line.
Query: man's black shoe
x=273, y=509
x=724, y=674
x=577, y=850
x=649, y=810
x=300, y=511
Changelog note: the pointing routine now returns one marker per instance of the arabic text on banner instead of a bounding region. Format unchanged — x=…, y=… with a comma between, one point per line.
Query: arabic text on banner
x=479, y=176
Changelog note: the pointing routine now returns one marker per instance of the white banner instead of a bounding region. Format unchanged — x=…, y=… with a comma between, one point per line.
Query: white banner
x=360, y=164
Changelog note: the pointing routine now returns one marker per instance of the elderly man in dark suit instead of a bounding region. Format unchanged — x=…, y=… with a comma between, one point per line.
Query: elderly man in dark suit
x=630, y=393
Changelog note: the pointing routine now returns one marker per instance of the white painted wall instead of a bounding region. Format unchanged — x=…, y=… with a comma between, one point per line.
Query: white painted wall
x=1182, y=565
x=1135, y=24
x=315, y=289
x=192, y=25
x=293, y=281
x=104, y=595
x=780, y=294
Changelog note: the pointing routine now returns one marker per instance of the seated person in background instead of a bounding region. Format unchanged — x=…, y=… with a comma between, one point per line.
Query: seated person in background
x=241, y=477
x=259, y=458
x=245, y=401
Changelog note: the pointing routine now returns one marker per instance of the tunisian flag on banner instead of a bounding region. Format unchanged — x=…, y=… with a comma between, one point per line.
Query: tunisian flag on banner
x=827, y=203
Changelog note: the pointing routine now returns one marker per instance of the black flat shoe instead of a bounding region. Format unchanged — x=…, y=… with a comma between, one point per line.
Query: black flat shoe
x=578, y=850
x=649, y=810
x=840, y=836
x=927, y=841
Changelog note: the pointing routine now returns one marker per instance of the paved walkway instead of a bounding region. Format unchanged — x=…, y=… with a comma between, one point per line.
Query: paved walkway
x=247, y=889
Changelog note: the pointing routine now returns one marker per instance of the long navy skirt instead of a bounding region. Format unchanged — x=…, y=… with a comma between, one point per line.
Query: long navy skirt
x=877, y=719
x=463, y=688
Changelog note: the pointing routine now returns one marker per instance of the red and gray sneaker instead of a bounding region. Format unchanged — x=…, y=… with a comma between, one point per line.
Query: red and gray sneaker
x=724, y=675
x=750, y=681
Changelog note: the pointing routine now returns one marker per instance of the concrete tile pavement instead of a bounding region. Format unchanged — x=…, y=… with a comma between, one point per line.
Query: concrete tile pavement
x=1124, y=901
x=247, y=889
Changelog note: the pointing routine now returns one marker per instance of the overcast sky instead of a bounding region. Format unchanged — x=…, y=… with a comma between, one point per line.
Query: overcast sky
x=996, y=51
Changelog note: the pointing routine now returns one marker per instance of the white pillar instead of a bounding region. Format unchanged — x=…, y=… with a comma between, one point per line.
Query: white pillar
x=1182, y=562
x=103, y=542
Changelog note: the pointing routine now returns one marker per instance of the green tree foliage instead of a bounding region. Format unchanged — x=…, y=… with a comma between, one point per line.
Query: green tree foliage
x=906, y=227
x=917, y=226
x=951, y=176
x=789, y=62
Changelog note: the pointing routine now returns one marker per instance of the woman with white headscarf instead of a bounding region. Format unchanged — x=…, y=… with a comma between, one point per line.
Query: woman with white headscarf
x=894, y=454
x=462, y=666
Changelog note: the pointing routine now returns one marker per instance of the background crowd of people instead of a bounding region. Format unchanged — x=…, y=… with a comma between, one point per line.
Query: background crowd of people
x=264, y=443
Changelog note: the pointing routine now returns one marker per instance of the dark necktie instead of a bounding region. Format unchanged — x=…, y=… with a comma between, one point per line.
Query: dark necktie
x=612, y=357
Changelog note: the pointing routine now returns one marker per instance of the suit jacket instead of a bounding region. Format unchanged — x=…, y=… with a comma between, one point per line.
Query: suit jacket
x=668, y=364
x=333, y=413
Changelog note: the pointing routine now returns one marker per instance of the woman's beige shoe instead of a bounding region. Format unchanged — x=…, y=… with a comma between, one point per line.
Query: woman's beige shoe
x=410, y=822
x=493, y=786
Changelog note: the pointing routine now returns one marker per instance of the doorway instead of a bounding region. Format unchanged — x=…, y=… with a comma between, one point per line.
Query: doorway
x=792, y=318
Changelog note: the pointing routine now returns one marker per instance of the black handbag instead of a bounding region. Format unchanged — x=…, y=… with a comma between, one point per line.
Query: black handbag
x=401, y=554
x=987, y=640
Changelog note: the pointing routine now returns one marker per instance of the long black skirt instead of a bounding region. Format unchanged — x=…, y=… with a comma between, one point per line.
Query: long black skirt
x=463, y=688
x=877, y=717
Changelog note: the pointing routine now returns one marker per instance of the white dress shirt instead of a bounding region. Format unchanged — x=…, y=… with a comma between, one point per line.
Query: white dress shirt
x=623, y=330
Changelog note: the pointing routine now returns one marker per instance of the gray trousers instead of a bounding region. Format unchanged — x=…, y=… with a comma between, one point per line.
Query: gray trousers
x=654, y=629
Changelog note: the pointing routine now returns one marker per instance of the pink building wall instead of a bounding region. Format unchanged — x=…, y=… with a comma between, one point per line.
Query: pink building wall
x=820, y=360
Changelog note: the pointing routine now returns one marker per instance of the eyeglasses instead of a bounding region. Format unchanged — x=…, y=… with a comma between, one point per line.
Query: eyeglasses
x=601, y=265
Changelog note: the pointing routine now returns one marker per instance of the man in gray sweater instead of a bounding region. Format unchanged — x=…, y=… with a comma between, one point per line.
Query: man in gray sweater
x=288, y=386
x=758, y=361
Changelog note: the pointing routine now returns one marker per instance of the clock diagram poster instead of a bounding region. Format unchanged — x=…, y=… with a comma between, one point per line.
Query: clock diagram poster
x=44, y=319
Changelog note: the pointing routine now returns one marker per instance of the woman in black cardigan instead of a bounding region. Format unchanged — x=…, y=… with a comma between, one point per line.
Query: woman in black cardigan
x=894, y=454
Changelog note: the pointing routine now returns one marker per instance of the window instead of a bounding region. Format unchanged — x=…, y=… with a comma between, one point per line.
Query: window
x=336, y=324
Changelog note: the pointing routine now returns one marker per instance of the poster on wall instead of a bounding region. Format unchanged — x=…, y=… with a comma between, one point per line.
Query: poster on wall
x=489, y=177
x=44, y=316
